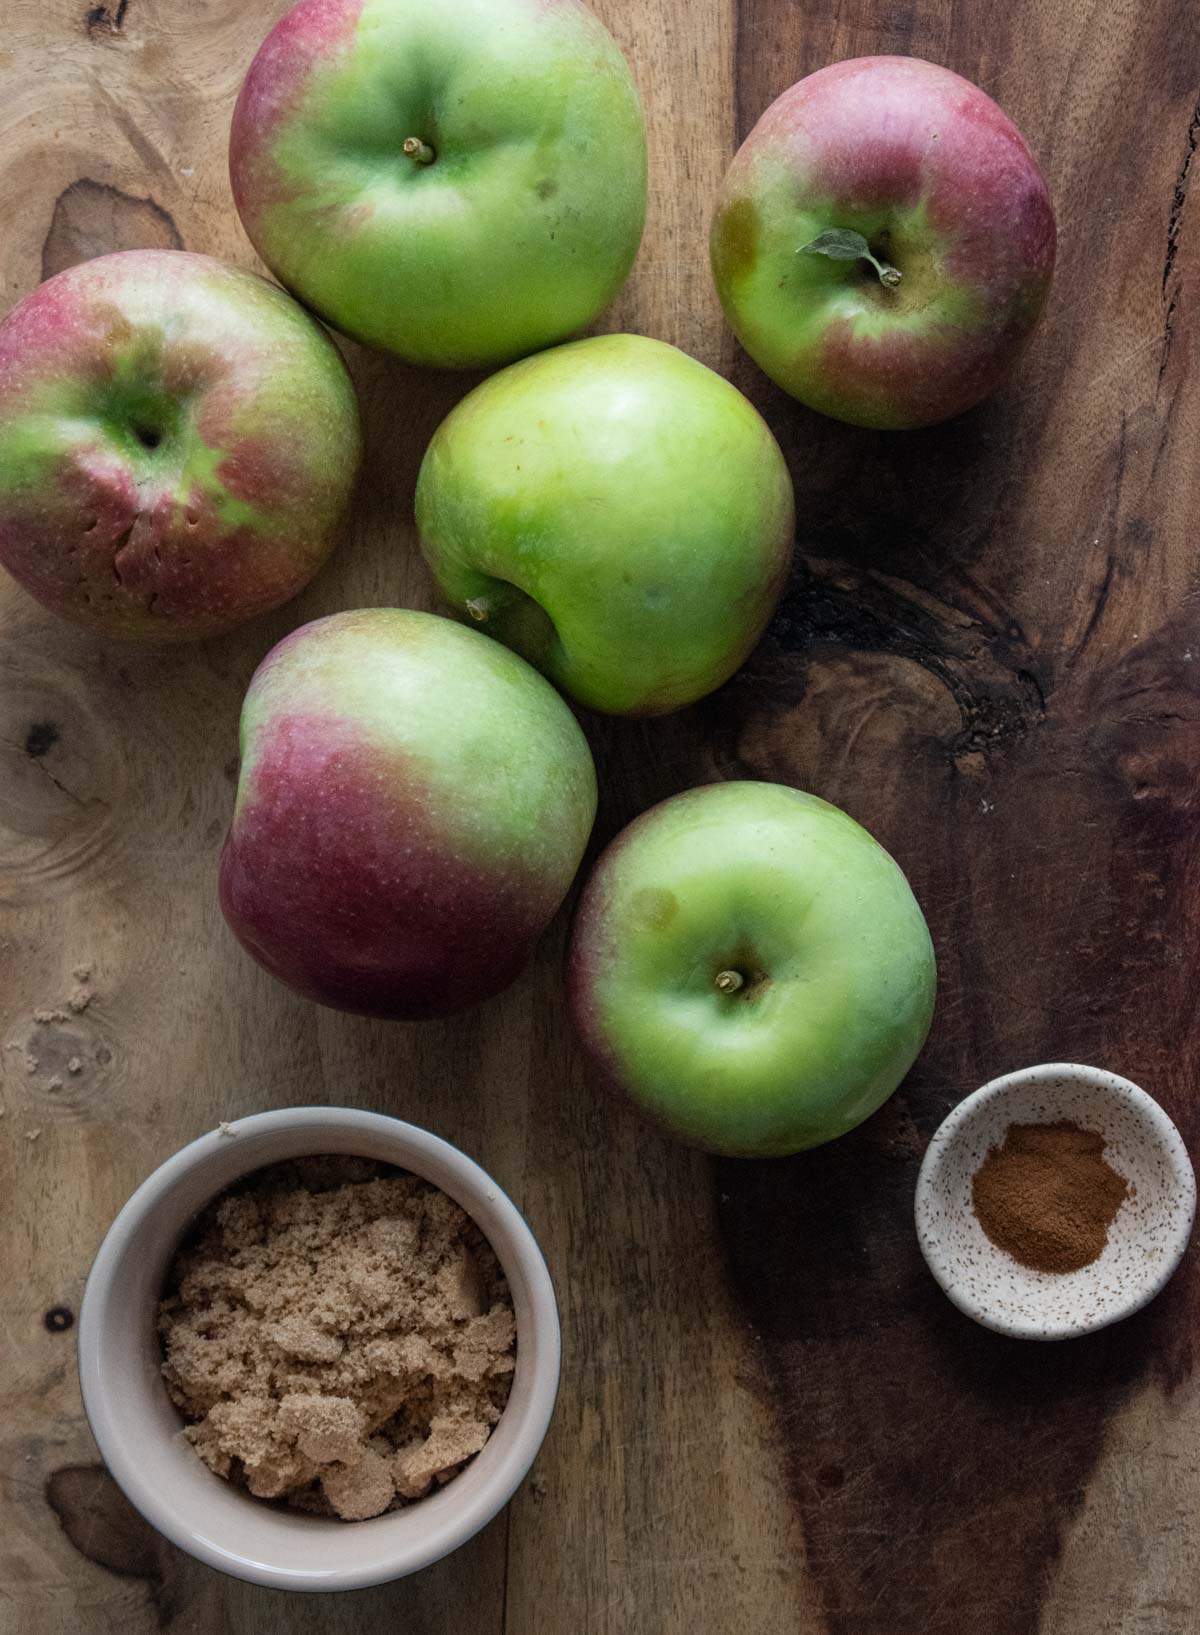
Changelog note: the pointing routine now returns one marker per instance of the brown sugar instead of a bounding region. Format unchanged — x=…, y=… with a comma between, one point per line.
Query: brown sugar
x=1047, y=1196
x=338, y=1336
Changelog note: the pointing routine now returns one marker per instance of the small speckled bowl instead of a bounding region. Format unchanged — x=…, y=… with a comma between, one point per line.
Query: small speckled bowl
x=1145, y=1242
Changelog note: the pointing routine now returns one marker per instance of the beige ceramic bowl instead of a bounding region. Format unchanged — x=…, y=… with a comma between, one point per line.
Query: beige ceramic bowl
x=138, y=1428
x=1145, y=1242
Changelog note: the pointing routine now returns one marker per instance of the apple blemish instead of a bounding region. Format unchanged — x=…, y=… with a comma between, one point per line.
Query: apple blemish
x=179, y=441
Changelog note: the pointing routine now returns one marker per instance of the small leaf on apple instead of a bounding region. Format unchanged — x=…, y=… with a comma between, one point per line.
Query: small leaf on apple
x=844, y=244
x=839, y=244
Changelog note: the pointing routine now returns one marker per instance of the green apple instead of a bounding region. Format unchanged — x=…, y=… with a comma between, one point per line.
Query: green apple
x=617, y=513
x=456, y=181
x=751, y=968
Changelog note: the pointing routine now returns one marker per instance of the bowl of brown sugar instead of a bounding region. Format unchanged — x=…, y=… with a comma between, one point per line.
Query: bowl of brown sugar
x=319, y=1348
x=1054, y=1201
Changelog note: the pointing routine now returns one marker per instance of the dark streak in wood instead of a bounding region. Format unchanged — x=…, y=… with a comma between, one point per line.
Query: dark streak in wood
x=1167, y=337
x=38, y=762
x=1101, y=603
x=1119, y=472
x=1179, y=195
x=156, y=169
x=1179, y=198
x=103, y=1526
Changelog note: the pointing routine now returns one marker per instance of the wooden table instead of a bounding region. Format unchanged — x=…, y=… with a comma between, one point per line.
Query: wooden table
x=770, y=1420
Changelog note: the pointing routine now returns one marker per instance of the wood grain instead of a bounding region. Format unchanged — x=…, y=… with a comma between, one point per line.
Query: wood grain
x=661, y=1480
x=770, y=1421
x=987, y=657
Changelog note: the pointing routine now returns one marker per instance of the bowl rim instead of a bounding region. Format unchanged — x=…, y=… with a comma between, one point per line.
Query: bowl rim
x=477, y=1193
x=1109, y=1083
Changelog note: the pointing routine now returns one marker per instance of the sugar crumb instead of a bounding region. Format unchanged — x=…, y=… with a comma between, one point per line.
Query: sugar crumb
x=339, y=1336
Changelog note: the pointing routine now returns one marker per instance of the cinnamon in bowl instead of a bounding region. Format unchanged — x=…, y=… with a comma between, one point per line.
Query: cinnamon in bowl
x=1047, y=1195
x=1054, y=1201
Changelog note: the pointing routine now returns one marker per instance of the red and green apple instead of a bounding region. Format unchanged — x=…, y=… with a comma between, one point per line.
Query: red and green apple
x=412, y=806
x=751, y=969
x=617, y=513
x=178, y=443
x=455, y=181
x=883, y=242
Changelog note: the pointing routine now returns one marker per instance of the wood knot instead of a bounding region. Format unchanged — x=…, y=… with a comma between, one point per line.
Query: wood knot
x=41, y=737
x=102, y=22
x=91, y=219
x=103, y=1526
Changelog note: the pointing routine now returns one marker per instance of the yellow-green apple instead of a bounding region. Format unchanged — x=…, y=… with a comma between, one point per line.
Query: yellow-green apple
x=412, y=807
x=616, y=512
x=751, y=968
x=455, y=181
x=178, y=442
x=883, y=242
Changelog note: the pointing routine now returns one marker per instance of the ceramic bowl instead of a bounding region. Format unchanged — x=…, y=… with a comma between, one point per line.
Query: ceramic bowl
x=138, y=1428
x=1145, y=1241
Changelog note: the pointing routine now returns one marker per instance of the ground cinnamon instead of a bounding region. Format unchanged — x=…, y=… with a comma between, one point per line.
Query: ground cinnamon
x=1047, y=1196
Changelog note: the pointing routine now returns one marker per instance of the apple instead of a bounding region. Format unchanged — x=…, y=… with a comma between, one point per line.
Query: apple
x=413, y=804
x=883, y=242
x=455, y=181
x=178, y=442
x=751, y=969
x=617, y=513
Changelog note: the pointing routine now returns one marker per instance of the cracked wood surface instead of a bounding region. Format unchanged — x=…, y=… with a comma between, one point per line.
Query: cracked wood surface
x=770, y=1420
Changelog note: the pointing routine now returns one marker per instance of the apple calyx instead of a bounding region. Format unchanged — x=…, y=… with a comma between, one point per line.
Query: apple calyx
x=479, y=609
x=148, y=436
x=844, y=244
x=729, y=981
x=419, y=152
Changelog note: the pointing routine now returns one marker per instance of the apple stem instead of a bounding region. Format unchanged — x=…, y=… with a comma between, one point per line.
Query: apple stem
x=419, y=152
x=730, y=981
x=479, y=609
x=889, y=276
